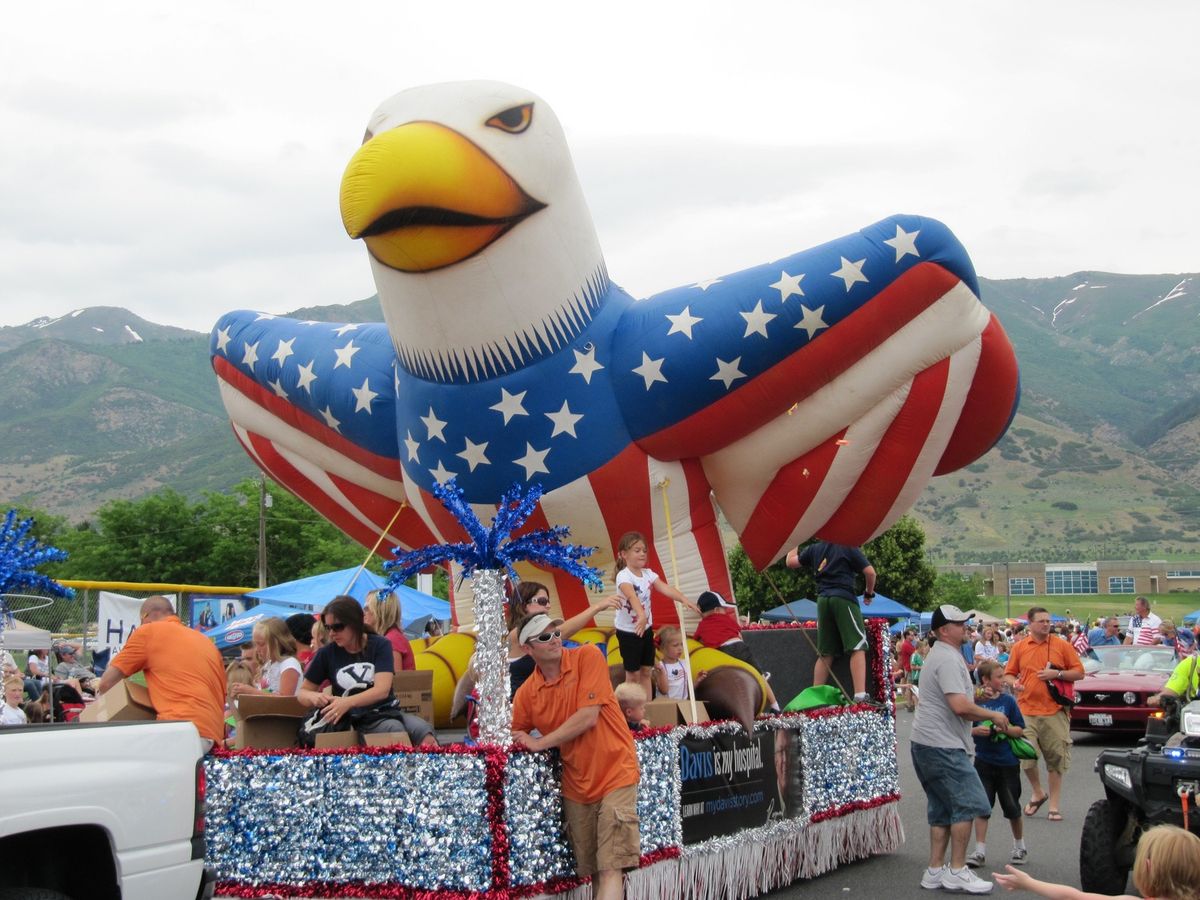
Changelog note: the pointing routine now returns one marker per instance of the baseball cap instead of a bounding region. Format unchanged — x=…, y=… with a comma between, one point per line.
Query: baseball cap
x=710, y=600
x=947, y=614
x=536, y=626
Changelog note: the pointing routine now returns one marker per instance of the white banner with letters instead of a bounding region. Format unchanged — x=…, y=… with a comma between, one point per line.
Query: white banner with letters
x=118, y=617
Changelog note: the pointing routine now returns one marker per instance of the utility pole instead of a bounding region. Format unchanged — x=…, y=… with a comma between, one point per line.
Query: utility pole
x=1007, y=593
x=265, y=502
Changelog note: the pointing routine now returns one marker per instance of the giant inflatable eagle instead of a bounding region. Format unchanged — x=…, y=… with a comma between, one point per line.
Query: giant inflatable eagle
x=813, y=395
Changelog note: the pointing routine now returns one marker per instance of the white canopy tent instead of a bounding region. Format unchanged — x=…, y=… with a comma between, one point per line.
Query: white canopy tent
x=19, y=635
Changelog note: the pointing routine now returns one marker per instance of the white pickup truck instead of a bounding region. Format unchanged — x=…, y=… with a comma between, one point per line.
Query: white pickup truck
x=110, y=811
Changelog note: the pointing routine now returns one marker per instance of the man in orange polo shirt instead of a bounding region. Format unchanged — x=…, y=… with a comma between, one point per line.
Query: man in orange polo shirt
x=1035, y=662
x=183, y=670
x=570, y=701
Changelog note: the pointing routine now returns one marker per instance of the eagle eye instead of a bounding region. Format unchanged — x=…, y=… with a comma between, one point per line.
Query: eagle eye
x=514, y=120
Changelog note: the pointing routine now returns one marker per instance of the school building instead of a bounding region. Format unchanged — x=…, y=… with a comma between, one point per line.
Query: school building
x=1031, y=579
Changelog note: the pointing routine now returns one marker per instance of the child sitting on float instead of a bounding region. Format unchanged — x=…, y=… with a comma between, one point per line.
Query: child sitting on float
x=719, y=630
x=632, y=699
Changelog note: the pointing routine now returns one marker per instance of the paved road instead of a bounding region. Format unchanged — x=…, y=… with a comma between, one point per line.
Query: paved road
x=1053, y=847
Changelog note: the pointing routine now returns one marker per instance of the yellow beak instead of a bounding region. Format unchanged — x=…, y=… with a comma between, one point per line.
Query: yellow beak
x=424, y=197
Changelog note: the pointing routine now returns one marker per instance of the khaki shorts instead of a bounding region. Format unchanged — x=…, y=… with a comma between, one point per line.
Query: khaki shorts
x=604, y=835
x=1052, y=737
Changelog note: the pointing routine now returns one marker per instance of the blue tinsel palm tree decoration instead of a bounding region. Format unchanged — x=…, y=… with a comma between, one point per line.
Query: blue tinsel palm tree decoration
x=20, y=556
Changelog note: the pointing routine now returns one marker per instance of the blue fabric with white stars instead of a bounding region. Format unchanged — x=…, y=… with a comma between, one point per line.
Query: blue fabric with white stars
x=637, y=368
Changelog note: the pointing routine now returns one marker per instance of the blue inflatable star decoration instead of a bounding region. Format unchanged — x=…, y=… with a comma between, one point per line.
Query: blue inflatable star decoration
x=19, y=558
x=814, y=394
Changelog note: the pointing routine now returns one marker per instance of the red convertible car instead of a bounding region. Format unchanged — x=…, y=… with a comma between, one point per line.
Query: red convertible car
x=1112, y=695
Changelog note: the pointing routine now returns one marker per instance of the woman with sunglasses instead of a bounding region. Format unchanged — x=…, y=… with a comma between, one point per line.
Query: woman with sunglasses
x=534, y=597
x=359, y=667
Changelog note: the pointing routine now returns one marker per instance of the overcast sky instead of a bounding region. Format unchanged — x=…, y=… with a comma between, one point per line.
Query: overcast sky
x=184, y=160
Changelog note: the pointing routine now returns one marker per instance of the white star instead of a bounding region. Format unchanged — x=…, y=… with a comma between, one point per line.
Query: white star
x=251, y=356
x=363, y=397
x=706, y=283
x=474, y=454
x=510, y=405
x=905, y=242
x=327, y=415
x=283, y=351
x=441, y=474
x=585, y=364
x=683, y=322
x=728, y=372
x=850, y=272
x=223, y=340
x=277, y=387
x=650, y=370
x=412, y=446
x=788, y=285
x=310, y=322
x=345, y=354
x=341, y=332
x=307, y=376
x=812, y=321
x=262, y=316
x=434, y=425
x=756, y=320
x=534, y=461
x=564, y=421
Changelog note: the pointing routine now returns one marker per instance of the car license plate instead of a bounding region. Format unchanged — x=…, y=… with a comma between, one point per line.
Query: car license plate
x=1099, y=719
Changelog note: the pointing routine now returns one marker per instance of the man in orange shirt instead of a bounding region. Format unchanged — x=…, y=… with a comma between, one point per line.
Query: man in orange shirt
x=183, y=670
x=570, y=701
x=1035, y=662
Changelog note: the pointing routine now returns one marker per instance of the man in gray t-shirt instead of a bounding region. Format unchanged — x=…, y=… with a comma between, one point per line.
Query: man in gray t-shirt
x=942, y=750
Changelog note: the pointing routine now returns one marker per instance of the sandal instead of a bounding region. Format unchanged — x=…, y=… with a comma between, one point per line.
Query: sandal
x=1032, y=807
x=1054, y=816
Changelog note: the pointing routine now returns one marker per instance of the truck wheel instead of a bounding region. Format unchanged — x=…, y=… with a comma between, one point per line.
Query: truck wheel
x=31, y=893
x=1099, y=871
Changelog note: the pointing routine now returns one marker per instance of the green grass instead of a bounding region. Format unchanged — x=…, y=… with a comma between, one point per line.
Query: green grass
x=1091, y=606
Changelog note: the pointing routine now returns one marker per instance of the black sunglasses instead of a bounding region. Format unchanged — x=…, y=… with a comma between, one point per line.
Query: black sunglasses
x=547, y=638
x=335, y=627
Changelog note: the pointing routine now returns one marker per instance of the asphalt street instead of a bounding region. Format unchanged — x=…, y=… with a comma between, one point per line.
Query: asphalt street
x=1053, y=846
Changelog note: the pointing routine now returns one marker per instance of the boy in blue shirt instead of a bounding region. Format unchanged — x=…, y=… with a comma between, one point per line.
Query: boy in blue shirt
x=999, y=769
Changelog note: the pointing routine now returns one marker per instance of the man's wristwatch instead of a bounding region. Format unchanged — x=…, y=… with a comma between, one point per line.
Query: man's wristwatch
x=868, y=595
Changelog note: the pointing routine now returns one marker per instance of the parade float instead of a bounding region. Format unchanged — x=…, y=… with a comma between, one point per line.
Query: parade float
x=724, y=812
x=813, y=395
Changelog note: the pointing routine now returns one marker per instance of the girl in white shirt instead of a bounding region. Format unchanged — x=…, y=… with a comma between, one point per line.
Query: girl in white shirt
x=634, y=620
x=275, y=648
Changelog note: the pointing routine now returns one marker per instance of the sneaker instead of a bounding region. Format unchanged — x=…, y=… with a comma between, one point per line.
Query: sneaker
x=976, y=859
x=964, y=881
x=932, y=881
x=1019, y=855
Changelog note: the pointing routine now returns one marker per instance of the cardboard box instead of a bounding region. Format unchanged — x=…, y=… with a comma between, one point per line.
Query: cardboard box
x=664, y=712
x=266, y=722
x=125, y=701
x=386, y=739
x=333, y=740
x=414, y=692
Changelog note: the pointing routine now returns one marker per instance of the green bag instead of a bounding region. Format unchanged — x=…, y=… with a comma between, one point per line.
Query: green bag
x=817, y=696
x=1020, y=747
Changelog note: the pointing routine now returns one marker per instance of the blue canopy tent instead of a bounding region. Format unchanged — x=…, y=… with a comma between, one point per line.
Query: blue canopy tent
x=312, y=593
x=238, y=629
x=880, y=608
x=1191, y=618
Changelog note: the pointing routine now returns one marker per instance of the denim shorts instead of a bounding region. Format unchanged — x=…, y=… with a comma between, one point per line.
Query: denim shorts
x=952, y=788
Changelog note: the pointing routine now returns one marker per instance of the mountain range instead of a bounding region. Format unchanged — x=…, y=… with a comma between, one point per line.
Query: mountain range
x=1101, y=462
